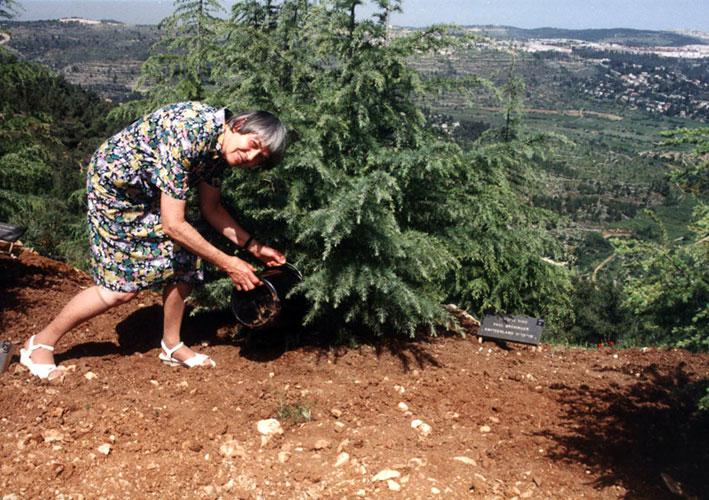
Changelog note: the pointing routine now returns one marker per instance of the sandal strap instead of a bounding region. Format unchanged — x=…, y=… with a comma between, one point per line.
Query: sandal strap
x=196, y=360
x=169, y=351
x=33, y=347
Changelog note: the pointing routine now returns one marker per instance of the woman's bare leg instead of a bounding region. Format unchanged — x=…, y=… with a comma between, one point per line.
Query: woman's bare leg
x=174, y=296
x=85, y=305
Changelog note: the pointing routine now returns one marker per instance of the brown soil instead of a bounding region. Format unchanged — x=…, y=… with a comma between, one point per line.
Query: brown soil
x=555, y=423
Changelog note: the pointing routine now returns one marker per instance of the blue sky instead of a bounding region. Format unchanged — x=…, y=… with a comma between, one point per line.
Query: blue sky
x=640, y=14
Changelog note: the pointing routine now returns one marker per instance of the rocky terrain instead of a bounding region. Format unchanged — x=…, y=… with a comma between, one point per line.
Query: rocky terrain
x=288, y=417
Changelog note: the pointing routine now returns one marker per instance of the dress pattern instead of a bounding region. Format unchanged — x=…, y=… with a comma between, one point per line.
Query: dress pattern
x=170, y=151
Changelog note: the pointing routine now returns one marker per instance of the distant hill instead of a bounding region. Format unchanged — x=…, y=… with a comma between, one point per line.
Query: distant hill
x=103, y=56
x=625, y=36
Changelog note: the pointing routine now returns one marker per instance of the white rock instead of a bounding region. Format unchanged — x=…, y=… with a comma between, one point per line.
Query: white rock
x=361, y=493
x=52, y=435
x=386, y=474
x=229, y=485
x=485, y=429
x=393, y=485
x=11, y=496
x=435, y=491
x=104, y=449
x=422, y=427
x=89, y=375
x=269, y=427
x=283, y=456
x=342, y=459
x=403, y=406
x=465, y=460
x=231, y=449
x=154, y=382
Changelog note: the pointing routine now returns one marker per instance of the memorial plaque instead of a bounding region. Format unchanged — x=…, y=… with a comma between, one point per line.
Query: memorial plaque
x=523, y=329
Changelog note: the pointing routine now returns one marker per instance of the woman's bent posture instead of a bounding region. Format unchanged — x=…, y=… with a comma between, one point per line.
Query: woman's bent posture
x=137, y=187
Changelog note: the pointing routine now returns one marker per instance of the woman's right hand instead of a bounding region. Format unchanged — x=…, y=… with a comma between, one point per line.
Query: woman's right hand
x=242, y=274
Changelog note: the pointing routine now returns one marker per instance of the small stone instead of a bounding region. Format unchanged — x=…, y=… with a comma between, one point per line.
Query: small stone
x=322, y=444
x=537, y=481
x=485, y=429
x=210, y=491
x=232, y=448
x=526, y=494
x=417, y=462
x=339, y=426
x=361, y=493
x=58, y=412
x=478, y=486
x=422, y=427
x=89, y=375
x=11, y=496
x=342, y=459
x=386, y=474
x=403, y=406
x=269, y=427
x=336, y=413
x=435, y=491
x=191, y=445
x=105, y=449
x=154, y=382
x=400, y=389
x=343, y=443
x=494, y=420
x=393, y=485
x=283, y=456
x=52, y=435
x=465, y=460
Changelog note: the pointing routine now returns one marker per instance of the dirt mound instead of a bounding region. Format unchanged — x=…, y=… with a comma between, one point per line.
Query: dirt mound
x=497, y=421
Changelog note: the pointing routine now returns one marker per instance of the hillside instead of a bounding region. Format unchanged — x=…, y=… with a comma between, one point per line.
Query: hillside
x=104, y=57
x=506, y=421
x=623, y=36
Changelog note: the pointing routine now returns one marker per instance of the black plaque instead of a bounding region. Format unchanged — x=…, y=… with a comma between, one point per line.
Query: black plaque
x=523, y=329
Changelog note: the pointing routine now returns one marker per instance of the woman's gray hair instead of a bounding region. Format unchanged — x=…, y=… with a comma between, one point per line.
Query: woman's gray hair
x=267, y=127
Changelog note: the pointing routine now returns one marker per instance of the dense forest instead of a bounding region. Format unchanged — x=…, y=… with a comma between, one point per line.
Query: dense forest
x=388, y=213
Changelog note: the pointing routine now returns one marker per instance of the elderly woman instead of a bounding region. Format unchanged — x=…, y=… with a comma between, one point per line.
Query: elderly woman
x=137, y=188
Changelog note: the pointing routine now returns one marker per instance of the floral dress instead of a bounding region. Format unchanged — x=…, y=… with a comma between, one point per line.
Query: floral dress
x=170, y=151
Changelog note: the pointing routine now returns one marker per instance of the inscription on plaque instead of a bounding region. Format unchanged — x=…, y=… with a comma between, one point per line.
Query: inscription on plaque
x=523, y=329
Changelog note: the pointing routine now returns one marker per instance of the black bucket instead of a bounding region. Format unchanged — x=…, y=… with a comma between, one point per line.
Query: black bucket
x=261, y=306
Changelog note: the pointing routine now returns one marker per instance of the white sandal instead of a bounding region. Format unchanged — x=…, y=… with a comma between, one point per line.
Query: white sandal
x=197, y=360
x=41, y=370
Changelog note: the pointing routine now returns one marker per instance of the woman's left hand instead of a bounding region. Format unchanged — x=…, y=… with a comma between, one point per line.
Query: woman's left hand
x=267, y=255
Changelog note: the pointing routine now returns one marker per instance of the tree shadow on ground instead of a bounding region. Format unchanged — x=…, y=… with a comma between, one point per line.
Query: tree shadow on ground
x=269, y=344
x=261, y=345
x=195, y=329
x=140, y=332
x=641, y=436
